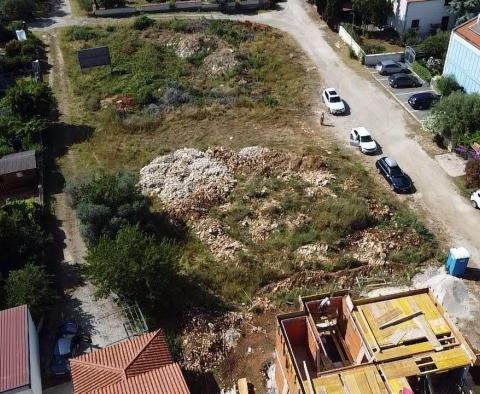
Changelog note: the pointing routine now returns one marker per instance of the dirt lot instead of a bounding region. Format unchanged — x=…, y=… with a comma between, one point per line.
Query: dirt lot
x=296, y=213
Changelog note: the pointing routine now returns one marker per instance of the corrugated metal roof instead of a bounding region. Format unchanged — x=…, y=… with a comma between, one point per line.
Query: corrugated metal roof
x=20, y=161
x=142, y=360
x=14, y=363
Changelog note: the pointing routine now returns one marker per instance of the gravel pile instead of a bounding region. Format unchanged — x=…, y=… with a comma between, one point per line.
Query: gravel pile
x=186, y=175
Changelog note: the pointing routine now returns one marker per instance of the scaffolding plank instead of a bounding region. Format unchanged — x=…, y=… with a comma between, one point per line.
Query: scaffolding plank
x=390, y=315
x=450, y=359
x=432, y=338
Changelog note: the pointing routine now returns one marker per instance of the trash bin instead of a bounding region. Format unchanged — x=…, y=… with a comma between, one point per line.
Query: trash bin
x=457, y=261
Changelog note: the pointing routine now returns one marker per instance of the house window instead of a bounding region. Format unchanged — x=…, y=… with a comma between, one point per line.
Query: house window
x=415, y=23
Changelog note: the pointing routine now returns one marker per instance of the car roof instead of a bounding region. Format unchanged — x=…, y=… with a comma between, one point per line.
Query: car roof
x=400, y=75
x=362, y=131
x=391, y=162
x=331, y=90
x=388, y=62
x=422, y=95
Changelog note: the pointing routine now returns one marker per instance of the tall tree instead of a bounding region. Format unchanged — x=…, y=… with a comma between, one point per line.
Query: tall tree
x=465, y=9
x=333, y=11
x=372, y=11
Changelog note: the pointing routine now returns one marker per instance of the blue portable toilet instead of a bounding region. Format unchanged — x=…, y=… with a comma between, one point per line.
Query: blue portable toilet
x=457, y=261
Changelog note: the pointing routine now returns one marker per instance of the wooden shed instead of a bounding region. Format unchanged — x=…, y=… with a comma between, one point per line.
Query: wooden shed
x=19, y=174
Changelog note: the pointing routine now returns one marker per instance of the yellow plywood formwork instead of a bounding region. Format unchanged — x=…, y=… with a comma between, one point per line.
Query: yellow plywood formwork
x=364, y=380
x=401, y=368
x=330, y=384
x=396, y=385
x=449, y=359
x=403, y=351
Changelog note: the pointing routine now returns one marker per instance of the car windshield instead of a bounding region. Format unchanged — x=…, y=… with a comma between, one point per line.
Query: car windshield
x=366, y=138
x=335, y=99
x=395, y=171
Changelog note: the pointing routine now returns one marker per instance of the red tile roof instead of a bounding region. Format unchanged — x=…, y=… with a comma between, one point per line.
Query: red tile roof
x=465, y=31
x=140, y=365
x=14, y=362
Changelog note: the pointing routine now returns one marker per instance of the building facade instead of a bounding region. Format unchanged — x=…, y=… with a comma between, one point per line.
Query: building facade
x=463, y=56
x=424, y=16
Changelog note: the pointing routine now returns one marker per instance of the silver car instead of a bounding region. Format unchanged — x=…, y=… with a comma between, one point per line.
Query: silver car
x=387, y=67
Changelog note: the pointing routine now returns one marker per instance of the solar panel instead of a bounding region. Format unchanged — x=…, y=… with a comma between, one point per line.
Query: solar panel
x=94, y=57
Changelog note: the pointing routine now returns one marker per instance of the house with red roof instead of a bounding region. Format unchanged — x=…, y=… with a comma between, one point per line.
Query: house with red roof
x=19, y=354
x=142, y=365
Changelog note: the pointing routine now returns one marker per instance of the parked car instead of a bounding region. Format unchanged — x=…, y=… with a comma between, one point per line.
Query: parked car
x=359, y=136
x=475, y=199
x=403, y=81
x=387, y=67
x=333, y=101
x=67, y=344
x=398, y=180
x=422, y=100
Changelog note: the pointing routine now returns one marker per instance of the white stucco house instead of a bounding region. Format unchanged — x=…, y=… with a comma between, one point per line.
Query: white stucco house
x=421, y=15
x=19, y=354
x=463, y=56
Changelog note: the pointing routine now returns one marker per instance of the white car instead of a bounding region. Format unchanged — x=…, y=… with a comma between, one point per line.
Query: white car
x=333, y=101
x=475, y=199
x=359, y=136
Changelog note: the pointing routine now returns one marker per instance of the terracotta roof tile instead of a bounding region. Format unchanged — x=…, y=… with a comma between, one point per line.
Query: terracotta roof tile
x=139, y=365
x=14, y=351
x=465, y=31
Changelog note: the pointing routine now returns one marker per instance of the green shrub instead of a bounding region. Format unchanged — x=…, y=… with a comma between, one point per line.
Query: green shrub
x=180, y=25
x=353, y=33
x=13, y=48
x=270, y=101
x=422, y=71
x=352, y=54
x=447, y=84
x=472, y=174
x=85, y=5
x=232, y=32
x=143, y=22
x=346, y=262
x=373, y=48
x=80, y=33
x=413, y=255
x=30, y=285
x=17, y=9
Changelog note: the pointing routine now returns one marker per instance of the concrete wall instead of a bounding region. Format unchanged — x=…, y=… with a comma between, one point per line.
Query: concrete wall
x=428, y=12
x=371, y=60
x=463, y=62
x=347, y=39
x=34, y=355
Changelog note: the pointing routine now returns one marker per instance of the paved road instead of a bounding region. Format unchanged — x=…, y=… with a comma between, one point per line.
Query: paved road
x=372, y=107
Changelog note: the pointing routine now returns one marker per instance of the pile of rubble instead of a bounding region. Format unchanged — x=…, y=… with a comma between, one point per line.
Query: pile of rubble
x=187, y=181
x=212, y=233
x=207, y=339
x=311, y=254
x=220, y=61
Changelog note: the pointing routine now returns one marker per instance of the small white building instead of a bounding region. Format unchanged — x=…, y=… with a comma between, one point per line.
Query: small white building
x=463, y=56
x=421, y=15
x=19, y=355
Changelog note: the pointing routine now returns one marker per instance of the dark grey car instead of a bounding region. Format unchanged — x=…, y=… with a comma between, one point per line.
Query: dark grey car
x=403, y=81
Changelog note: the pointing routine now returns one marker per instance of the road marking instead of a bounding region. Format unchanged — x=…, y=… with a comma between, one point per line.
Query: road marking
x=415, y=92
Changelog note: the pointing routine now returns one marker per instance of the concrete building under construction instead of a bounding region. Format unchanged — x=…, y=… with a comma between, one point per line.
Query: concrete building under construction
x=400, y=343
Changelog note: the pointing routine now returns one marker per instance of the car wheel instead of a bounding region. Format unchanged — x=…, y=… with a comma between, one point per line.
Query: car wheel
x=420, y=107
x=392, y=188
x=395, y=85
x=379, y=171
x=474, y=204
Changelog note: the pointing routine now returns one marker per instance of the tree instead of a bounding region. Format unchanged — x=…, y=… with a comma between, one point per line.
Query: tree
x=107, y=202
x=455, y=116
x=30, y=285
x=434, y=46
x=134, y=265
x=372, y=11
x=28, y=99
x=22, y=237
x=465, y=9
x=447, y=84
x=472, y=174
x=333, y=11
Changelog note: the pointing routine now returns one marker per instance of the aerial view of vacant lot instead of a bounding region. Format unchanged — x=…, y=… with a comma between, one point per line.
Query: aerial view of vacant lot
x=216, y=122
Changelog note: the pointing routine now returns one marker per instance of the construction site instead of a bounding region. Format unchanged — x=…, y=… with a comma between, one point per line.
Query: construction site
x=399, y=343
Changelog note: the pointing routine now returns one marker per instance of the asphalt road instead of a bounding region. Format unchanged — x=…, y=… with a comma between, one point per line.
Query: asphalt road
x=371, y=106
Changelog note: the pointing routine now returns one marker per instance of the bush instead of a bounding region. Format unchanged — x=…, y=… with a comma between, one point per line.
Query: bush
x=472, y=174
x=353, y=33
x=135, y=266
x=370, y=49
x=106, y=203
x=232, y=32
x=435, y=46
x=17, y=9
x=80, y=33
x=422, y=71
x=180, y=25
x=30, y=285
x=143, y=22
x=411, y=38
x=85, y=5
x=28, y=99
x=13, y=48
x=447, y=84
